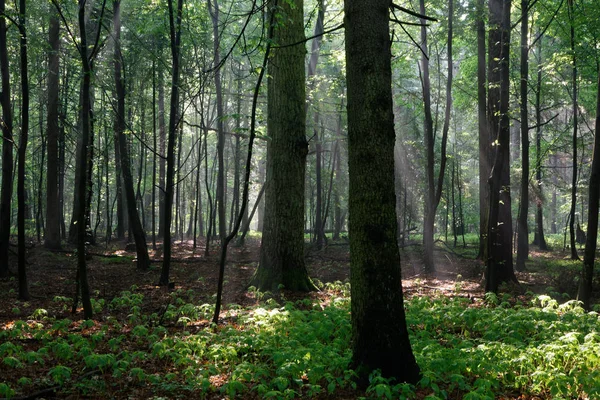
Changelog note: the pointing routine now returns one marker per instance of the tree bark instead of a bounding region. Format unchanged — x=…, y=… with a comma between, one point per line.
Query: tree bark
x=83, y=162
x=585, y=285
x=7, y=149
x=574, y=255
x=379, y=334
x=539, y=238
x=484, y=133
x=21, y=194
x=282, y=249
x=500, y=261
x=522, y=228
x=143, y=261
x=52, y=236
x=429, y=139
x=175, y=34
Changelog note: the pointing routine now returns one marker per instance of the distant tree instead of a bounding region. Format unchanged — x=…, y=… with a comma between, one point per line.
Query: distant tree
x=379, y=334
x=282, y=248
x=500, y=257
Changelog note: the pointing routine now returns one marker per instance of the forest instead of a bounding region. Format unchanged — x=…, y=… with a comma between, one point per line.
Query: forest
x=284, y=199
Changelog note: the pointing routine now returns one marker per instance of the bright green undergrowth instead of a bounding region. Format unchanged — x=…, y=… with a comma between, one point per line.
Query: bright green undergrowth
x=301, y=350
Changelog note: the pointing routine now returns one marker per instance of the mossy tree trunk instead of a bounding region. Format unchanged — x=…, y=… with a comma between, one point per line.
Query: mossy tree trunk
x=500, y=260
x=379, y=334
x=282, y=249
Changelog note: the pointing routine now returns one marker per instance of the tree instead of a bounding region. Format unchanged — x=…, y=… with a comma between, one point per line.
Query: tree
x=585, y=285
x=7, y=149
x=21, y=196
x=143, y=261
x=175, y=35
x=522, y=229
x=484, y=134
x=282, y=248
x=574, y=255
x=52, y=236
x=500, y=258
x=379, y=333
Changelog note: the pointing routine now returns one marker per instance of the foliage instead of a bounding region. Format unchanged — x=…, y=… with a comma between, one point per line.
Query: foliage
x=500, y=347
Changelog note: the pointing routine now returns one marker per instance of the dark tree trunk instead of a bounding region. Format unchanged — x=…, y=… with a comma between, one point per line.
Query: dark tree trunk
x=214, y=11
x=21, y=195
x=500, y=261
x=539, y=238
x=162, y=134
x=86, y=111
x=429, y=139
x=312, y=69
x=522, y=228
x=154, y=155
x=379, y=334
x=484, y=133
x=585, y=286
x=282, y=249
x=143, y=261
x=52, y=236
x=7, y=149
x=175, y=34
x=574, y=255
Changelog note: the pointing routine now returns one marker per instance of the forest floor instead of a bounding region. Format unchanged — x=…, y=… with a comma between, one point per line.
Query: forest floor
x=112, y=273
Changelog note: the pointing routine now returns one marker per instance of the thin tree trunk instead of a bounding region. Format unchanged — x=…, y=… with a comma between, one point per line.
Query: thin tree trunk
x=22, y=262
x=175, y=34
x=585, y=285
x=83, y=163
x=522, y=228
x=539, y=239
x=52, y=236
x=143, y=261
x=429, y=139
x=7, y=149
x=574, y=255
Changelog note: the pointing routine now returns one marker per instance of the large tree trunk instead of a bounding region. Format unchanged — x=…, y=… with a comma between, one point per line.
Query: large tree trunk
x=282, y=249
x=175, y=34
x=379, y=334
x=585, y=286
x=500, y=261
x=7, y=149
x=21, y=194
x=143, y=261
x=484, y=133
x=52, y=236
x=522, y=229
